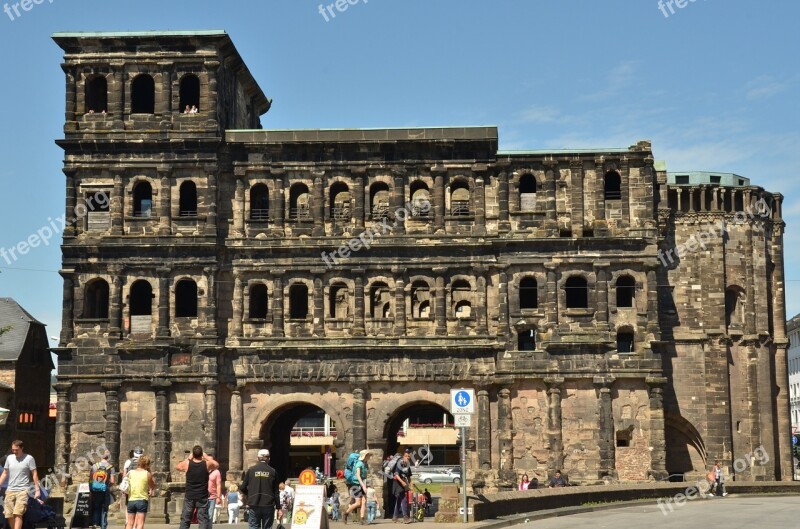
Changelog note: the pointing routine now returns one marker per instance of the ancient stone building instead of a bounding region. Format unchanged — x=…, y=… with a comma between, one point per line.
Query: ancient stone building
x=221, y=281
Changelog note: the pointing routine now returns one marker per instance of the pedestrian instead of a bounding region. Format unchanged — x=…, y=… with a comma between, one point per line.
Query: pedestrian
x=372, y=503
x=232, y=502
x=335, y=504
x=401, y=484
x=198, y=467
x=286, y=500
x=140, y=488
x=214, y=492
x=131, y=463
x=718, y=479
x=102, y=479
x=557, y=481
x=260, y=488
x=525, y=483
x=20, y=469
x=358, y=489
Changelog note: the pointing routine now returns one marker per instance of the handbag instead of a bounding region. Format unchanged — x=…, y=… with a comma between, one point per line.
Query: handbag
x=124, y=485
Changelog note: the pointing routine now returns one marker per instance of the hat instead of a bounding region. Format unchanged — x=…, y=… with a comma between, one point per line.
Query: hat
x=138, y=452
x=364, y=454
x=408, y=450
x=263, y=453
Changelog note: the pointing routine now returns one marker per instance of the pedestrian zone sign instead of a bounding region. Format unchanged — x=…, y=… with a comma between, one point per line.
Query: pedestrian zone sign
x=462, y=401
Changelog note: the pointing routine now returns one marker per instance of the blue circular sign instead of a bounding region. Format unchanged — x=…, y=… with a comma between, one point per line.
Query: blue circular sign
x=462, y=399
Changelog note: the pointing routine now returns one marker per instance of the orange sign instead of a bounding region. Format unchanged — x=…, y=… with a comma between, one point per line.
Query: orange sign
x=308, y=477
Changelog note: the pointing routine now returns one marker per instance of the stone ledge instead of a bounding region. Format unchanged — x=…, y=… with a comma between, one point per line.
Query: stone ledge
x=574, y=498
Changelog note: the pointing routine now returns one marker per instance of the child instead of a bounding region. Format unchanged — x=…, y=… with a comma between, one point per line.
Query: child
x=335, y=505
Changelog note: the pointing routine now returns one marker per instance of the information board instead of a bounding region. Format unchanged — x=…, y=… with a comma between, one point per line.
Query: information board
x=80, y=514
x=309, y=507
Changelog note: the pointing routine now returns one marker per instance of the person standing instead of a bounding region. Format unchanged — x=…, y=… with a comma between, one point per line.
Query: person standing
x=214, y=492
x=20, y=469
x=401, y=485
x=140, y=488
x=102, y=478
x=718, y=479
x=232, y=501
x=260, y=488
x=358, y=489
x=198, y=467
x=372, y=503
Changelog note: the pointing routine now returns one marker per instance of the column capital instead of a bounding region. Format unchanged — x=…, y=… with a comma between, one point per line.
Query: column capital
x=554, y=383
x=209, y=384
x=656, y=382
x=600, y=265
x=160, y=385
x=603, y=383
x=110, y=387
x=62, y=388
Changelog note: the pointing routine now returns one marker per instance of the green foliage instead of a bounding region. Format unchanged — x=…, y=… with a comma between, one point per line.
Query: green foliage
x=4, y=330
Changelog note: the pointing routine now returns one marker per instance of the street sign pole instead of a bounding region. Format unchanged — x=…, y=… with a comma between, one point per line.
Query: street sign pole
x=464, y=473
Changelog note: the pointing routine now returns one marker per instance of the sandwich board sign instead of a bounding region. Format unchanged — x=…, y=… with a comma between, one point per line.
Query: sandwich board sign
x=80, y=513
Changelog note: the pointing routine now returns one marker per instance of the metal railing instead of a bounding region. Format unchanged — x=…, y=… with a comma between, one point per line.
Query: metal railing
x=300, y=213
x=312, y=431
x=459, y=208
x=259, y=214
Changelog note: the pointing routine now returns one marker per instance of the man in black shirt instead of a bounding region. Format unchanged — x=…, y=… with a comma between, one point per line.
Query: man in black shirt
x=197, y=469
x=260, y=488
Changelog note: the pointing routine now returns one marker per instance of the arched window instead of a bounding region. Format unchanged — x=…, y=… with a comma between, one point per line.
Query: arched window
x=527, y=193
x=732, y=312
x=340, y=202
x=258, y=301
x=420, y=300
x=141, y=298
x=625, y=341
x=577, y=293
x=96, y=93
x=186, y=299
x=299, y=203
x=188, y=199
x=95, y=302
x=461, y=295
x=379, y=201
x=420, y=200
x=612, y=186
x=626, y=291
x=259, y=202
x=339, y=301
x=526, y=340
x=380, y=300
x=143, y=95
x=142, y=199
x=189, y=94
x=298, y=301
x=528, y=293
x=459, y=199
x=463, y=309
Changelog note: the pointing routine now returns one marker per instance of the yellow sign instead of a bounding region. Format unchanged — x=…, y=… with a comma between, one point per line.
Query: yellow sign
x=308, y=477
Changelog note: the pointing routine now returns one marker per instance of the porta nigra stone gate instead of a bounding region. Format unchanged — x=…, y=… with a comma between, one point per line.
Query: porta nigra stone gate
x=220, y=280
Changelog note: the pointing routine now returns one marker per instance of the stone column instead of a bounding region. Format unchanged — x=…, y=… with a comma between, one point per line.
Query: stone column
x=601, y=312
x=653, y=326
x=115, y=305
x=358, y=323
x=607, y=440
x=399, y=305
x=480, y=172
x=318, y=205
x=551, y=303
x=577, y=218
x=440, y=308
x=502, y=318
x=504, y=226
x=63, y=424
x=624, y=190
x=163, y=446
x=359, y=197
x=438, y=198
x=211, y=204
x=236, y=437
x=277, y=305
x=650, y=177
x=555, y=438
x=599, y=191
x=116, y=208
x=784, y=463
x=277, y=211
x=210, y=416
x=482, y=305
x=163, y=302
x=484, y=432
x=67, y=314
x=505, y=436
x=319, y=307
x=210, y=322
x=658, y=444
x=164, y=211
x=212, y=67
x=359, y=420
x=238, y=305
x=69, y=213
x=112, y=416
x=398, y=193
x=238, y=205
x=551, y=176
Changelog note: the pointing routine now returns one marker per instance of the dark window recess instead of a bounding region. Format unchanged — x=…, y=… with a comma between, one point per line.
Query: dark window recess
x=731, y=302
x=96, y=301
x=682, y=179
x=612, y=186
x=528, y=293
x=142, y=200
x=716, y=179
x=258, y=302
x=577, y=293
x=624, y=438
x=298, y=302
x=188, y=199
x=259, y=203
x=96, y=95
x=189, y=93
x=186, y=299
x=526, y=340
x=626, y=291
x=624, y=342
x=143, y=95
x=141, y=299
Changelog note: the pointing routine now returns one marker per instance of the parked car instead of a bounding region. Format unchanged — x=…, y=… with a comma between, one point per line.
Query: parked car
x=449, y=476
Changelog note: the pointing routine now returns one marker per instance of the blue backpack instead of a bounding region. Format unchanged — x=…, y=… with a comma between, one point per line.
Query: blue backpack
x=349, y=469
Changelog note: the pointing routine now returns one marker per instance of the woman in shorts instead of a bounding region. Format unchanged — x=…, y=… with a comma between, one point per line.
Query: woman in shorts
x=141, y=487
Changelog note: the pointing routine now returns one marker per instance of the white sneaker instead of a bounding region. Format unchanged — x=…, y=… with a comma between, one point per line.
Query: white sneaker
x=724, y=493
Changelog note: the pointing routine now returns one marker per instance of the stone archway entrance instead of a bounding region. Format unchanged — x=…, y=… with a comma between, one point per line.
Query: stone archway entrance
x=686, y=451
x=299, y=436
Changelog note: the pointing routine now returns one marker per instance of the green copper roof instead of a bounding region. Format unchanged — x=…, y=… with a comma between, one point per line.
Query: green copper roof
x=125, y=34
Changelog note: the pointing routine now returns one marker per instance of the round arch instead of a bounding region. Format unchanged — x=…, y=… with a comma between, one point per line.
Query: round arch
x=686, y=451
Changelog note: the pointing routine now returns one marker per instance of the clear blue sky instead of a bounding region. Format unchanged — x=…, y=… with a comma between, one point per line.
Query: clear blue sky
x=714, y=86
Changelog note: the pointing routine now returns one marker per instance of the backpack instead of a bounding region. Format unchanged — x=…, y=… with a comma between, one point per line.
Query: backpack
x=389, y=464
x=99, y=481
x=349, y=468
